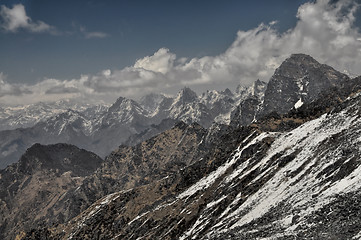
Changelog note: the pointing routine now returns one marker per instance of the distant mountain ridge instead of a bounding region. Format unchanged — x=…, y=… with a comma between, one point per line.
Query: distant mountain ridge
x=29, y=115
x=101, y=128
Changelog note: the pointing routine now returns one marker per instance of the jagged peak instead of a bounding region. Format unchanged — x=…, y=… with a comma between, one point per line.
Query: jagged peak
x=123, y=102
x=186, y=95
x=70, y=113
x=228, y=92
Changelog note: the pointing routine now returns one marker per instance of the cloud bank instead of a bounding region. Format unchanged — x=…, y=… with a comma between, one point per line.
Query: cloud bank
x=325, y=30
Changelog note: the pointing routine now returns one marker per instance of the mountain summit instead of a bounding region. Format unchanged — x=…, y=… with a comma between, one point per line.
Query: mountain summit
x=186, y=95
x=299, y=79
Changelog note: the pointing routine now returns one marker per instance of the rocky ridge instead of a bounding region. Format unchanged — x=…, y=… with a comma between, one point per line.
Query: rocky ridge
x=126, y=168
x=31, y=187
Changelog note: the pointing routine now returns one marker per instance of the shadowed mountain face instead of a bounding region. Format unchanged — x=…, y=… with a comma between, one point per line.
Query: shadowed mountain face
x=299, y=79
x=30, y=188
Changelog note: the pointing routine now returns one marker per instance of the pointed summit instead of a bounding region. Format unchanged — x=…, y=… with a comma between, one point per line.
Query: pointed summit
x=117, y=103
x=300, y=78
x=227, y=92
x=186, y=95
x=123, y=104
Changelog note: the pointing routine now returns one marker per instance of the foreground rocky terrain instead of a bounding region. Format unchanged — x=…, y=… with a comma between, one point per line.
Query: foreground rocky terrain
x=288, y=174
x=61, y=191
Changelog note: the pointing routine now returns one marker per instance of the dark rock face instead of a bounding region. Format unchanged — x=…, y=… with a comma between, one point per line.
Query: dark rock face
x=299, y=78
x=249, y=107
x=30, y=187
x=186, y=95
x=246, y=112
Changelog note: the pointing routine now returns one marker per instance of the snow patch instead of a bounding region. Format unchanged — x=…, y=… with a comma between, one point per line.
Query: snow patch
x=298, y=104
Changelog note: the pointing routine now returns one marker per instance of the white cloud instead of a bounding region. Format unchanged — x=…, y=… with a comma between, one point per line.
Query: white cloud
x=325, y=31
x=161, y=61
x=15, y=18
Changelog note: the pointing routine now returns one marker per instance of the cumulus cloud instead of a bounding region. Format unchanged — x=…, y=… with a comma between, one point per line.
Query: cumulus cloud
x=161, y=61
x=15, y=18
x=325, y=30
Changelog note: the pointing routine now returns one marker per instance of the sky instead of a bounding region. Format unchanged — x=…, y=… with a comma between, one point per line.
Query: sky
x=100, y=50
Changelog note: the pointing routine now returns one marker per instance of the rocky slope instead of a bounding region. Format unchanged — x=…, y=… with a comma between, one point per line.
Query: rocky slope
x=125, y=168
x=30, y=188
x=299, y=181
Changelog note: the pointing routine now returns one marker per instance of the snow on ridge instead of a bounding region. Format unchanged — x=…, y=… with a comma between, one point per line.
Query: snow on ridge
x=297, y=190
x=208, y=180
x=305, y=138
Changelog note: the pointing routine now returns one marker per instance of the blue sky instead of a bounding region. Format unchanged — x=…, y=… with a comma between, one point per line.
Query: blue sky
x=61, y=43
x=134, y=29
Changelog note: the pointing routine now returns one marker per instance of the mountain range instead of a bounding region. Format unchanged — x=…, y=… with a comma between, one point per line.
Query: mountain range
x=271, y=161
x=101, y=129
